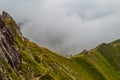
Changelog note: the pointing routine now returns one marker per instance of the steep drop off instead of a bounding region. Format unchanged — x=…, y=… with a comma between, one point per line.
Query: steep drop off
x=21, y=59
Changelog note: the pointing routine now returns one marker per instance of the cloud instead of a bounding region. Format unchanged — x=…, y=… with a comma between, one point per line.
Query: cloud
x=67, y=26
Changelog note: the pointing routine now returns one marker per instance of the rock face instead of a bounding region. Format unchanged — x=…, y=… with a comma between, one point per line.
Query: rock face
x=21, y=59
x=7, y=46
x=9, y=54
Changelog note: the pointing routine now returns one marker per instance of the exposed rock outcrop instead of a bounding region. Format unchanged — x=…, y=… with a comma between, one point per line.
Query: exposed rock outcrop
x=8, y=51
x=5, y=15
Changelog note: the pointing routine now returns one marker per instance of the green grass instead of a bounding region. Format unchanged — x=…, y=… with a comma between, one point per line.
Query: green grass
x=101, y=63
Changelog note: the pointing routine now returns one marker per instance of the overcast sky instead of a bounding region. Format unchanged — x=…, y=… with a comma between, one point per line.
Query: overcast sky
x=66, y=26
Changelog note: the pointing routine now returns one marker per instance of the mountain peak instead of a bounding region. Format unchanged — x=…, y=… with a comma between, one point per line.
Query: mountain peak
x=5, y=16
x=11, y=24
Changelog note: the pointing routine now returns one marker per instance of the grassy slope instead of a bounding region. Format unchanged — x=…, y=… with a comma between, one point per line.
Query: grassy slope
x=41, y=63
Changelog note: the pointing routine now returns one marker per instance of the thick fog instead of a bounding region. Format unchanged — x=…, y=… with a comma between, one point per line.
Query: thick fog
x=66, y=26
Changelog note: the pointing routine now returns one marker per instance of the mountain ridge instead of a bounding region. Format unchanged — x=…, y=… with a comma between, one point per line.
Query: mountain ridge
x=21, y=59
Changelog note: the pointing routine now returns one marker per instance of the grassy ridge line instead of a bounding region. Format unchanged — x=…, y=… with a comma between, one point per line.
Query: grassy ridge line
x=39, y=63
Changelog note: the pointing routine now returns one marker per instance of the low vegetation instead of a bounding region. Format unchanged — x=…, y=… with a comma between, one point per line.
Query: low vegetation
x=39, y=63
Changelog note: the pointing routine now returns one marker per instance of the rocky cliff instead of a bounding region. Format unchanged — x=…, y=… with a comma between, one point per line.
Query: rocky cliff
x=10, y=56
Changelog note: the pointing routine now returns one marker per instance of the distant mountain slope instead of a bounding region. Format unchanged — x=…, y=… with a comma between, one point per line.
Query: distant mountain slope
x=21, y=59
